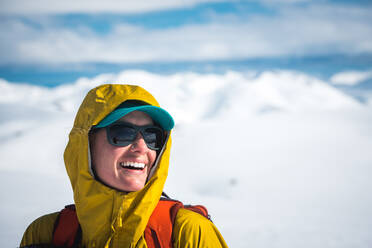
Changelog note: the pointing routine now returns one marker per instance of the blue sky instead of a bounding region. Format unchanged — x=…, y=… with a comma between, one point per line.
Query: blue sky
x=43, y=38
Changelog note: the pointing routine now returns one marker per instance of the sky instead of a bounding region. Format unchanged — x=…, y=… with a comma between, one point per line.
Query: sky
x=57, y=42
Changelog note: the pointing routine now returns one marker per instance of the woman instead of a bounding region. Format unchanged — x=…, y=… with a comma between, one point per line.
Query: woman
x=117, y=159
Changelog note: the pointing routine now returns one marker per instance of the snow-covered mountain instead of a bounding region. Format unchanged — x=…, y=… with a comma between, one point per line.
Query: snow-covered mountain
x=280, y=158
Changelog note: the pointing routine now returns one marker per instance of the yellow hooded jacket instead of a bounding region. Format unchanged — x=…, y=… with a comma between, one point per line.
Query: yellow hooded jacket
x=110, y=218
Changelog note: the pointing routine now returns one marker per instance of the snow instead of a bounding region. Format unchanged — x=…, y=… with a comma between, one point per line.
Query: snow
x=280, y=158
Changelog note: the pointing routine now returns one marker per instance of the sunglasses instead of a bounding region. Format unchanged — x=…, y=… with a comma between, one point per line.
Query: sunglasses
x=123, y=134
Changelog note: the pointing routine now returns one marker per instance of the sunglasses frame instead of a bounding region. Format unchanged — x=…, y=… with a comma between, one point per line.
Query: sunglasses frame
x=140, y=129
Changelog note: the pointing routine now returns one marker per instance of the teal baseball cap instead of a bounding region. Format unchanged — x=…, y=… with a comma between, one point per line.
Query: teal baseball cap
x=158, y=115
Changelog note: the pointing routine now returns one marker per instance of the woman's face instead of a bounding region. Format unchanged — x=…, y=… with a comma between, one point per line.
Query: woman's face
x=114, y=165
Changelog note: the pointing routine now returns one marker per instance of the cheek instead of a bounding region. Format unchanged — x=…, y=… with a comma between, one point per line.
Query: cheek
x=106, y=157
x=99, y=152
x=152, y=157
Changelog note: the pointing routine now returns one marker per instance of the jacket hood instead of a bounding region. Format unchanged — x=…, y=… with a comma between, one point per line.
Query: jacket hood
x=108, y=217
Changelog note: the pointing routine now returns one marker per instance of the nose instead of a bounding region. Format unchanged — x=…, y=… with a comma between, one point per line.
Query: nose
x=139, y=144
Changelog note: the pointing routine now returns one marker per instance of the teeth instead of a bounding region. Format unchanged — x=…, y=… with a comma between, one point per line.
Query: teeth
x=128, y=164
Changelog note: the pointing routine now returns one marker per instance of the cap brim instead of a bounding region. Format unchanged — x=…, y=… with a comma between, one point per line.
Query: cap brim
x=158, y=115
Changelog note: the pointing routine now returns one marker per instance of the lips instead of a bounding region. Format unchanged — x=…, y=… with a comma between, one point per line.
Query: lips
x=132, y=165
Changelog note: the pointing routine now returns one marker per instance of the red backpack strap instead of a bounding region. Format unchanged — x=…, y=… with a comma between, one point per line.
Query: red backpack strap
x=67, y=231
x=200, y=209
x=158, y=232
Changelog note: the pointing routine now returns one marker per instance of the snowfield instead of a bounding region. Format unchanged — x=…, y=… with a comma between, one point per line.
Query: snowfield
x=281, y=159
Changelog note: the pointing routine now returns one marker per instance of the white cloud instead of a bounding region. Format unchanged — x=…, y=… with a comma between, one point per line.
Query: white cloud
x=318, y=29
x=25, y=7
x=350, y=77
x=93, y=6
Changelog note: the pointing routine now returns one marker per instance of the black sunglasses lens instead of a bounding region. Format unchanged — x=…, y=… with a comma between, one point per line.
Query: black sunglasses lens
x=153, y=137
x=120, y=135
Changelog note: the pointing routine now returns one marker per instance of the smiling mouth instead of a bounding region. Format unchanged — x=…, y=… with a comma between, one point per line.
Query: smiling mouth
x=132, y=165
